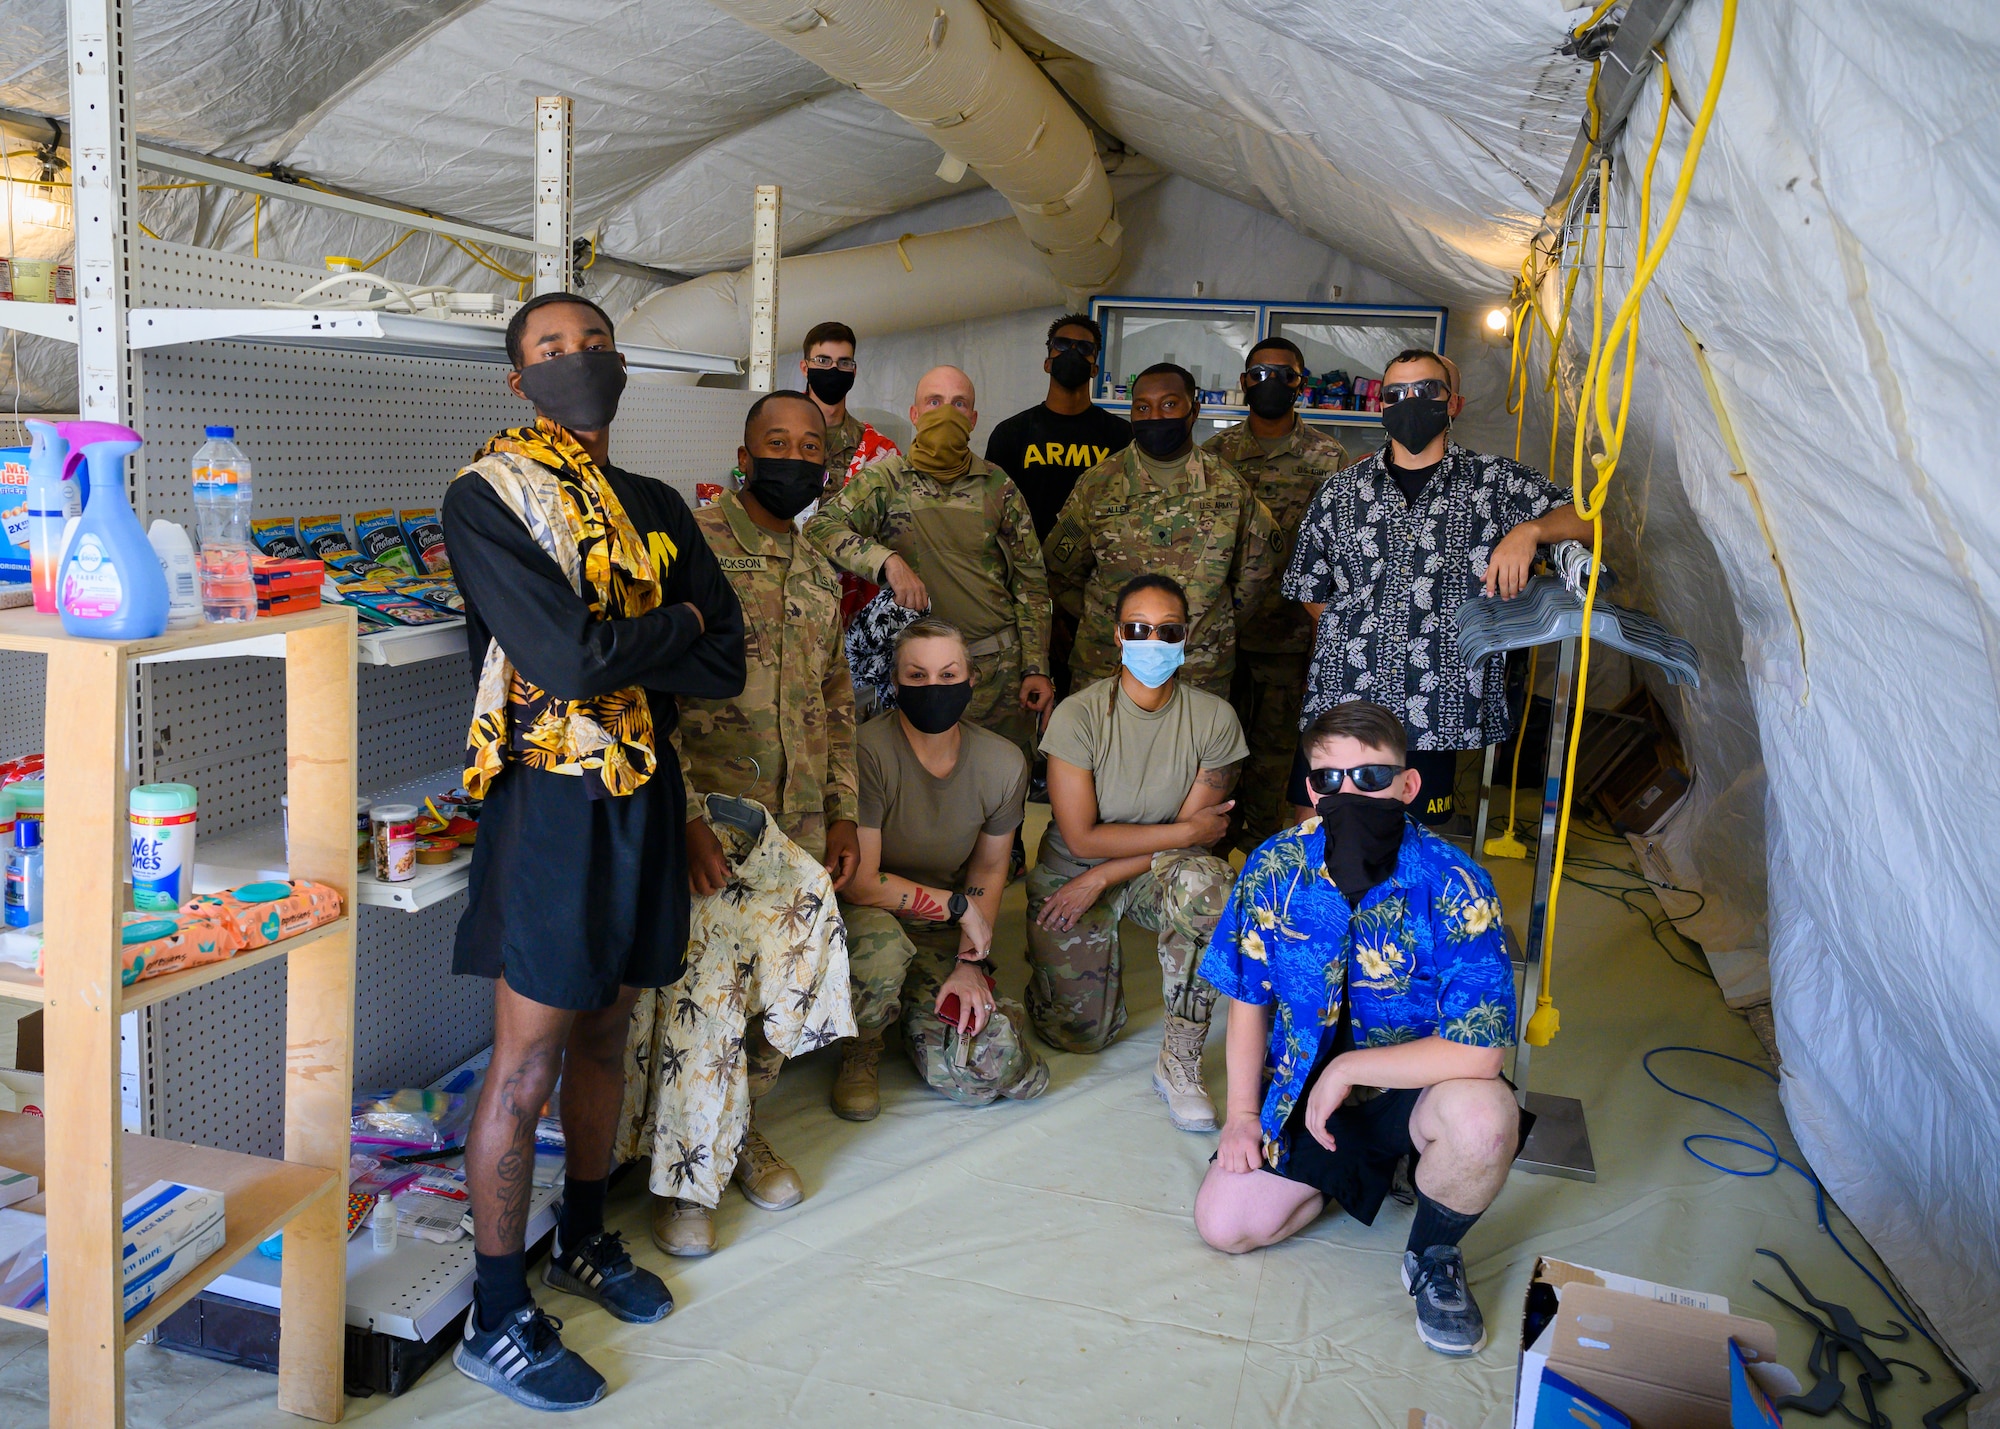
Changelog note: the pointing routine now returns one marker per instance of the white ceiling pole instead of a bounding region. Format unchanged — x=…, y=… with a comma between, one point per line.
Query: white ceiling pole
x=764, y=289
x=101, y=172
x=554, y=149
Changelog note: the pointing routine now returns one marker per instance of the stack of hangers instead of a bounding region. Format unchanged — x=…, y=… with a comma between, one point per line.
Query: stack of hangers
x=1547, y=610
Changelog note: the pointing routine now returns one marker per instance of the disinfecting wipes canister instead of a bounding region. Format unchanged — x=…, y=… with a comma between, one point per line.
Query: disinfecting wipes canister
x=162, y=820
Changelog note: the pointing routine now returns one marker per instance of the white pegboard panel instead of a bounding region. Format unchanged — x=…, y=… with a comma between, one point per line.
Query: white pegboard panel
x=220, y=726
x=21, y=703
x=174, y=275
x=413, y=720
x=677, y=434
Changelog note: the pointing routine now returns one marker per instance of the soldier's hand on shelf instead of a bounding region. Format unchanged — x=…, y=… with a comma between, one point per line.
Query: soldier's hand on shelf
x=1242, y=1145
x=904, y=584
x=1038, y=693
x=708, y=870
x=843, y=852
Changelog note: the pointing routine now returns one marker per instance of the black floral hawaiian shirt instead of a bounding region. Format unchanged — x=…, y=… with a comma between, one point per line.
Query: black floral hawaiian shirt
x=1391, y=574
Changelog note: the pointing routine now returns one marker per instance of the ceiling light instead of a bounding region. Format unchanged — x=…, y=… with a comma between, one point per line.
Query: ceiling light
x=1496, y=320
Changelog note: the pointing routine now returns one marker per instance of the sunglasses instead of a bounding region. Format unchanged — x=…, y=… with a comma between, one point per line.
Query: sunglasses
x=1074, y=344
x=1434, y=388
x=829, y=364
x=1272, y=372
x=1173, y=632
x=1366, y=778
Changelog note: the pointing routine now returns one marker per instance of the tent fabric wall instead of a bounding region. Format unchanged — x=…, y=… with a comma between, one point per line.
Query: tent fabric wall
x=1834, y=265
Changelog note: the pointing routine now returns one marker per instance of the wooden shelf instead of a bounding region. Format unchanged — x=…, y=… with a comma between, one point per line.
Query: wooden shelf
x=21, y=628
x=19, y=982
x=259, y=1197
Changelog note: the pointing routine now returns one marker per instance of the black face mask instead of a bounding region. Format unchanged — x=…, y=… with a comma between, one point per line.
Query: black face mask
x=1270, y=398
x=1161, y=437
x=579, y=390
x=785, y=486
x=1070, y=369
x=830, y=384
x=1416, y=421
x=933, y=708
x=1363, y=836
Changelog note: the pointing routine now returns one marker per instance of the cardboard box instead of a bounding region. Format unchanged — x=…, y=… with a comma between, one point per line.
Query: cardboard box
x=1663, y=1357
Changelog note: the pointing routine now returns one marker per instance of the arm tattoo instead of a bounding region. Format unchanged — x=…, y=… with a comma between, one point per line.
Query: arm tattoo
x=971, y=892
x=925, y=906
x=1223, y=778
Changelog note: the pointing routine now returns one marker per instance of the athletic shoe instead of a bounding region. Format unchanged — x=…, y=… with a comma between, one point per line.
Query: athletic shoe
x=525, y=1360
x=1448, y=1318
x=601, y=1269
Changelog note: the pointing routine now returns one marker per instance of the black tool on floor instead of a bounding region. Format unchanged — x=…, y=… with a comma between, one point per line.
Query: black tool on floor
x=1840, y=1324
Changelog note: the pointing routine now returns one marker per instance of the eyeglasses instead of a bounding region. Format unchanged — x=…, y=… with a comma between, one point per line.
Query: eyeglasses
x=1366, y=778
x=1074, y=344
x=1434, y=388
x=828, y=364
x=1272, y=372
x=1173, y=632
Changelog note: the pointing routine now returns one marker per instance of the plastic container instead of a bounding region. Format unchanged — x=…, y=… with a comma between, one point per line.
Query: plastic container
x=53, y=500
x=382, y=1223
x=7, y=817
x=110, y=586
x=393, y=833
x=222, y=521
x=27, y=800
x=24, y=875
x=176, y=554
x=163, y=825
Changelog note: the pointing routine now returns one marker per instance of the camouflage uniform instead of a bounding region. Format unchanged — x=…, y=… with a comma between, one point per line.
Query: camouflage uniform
x=892, y=963
x=1276, y=639
x=972, y=543
x=795, y=717
x=1203, y=527
x=1075, y=987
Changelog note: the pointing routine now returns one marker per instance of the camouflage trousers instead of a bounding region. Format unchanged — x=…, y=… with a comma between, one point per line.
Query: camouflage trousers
x=996, y=700
x=763, y=1061
x=1269, y=692
x=892, y=965
x=1076, y=993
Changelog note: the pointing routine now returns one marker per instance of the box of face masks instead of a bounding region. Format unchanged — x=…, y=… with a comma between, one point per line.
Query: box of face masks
x=169, y=1229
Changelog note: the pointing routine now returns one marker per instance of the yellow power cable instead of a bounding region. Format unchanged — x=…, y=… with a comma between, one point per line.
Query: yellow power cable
x=184, y=184
x=256, y=222
x=1595, y=15
x=1546, y=1021
x=370, y=264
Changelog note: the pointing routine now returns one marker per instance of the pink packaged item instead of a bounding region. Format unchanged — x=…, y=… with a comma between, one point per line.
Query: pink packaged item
x=167, y=943
x=266, y=913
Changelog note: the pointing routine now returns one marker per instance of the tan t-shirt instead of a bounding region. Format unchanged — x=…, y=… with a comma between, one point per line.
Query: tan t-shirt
x=1143, y=761
x=929, y=825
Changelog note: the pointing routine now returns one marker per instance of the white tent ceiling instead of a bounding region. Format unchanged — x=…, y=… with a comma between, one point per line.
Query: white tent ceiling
x=1834, y=264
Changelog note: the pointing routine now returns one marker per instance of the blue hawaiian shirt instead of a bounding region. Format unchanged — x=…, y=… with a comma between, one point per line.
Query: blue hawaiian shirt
x=1426, y=951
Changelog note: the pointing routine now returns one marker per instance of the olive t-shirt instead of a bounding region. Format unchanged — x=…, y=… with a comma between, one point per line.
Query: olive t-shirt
x=929, y=825
x=1143, y=761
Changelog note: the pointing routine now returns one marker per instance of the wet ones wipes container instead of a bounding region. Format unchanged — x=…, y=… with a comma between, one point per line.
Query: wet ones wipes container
x=162, y=822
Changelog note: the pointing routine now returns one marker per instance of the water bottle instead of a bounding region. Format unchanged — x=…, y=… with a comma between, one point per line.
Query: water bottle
x=222, y=524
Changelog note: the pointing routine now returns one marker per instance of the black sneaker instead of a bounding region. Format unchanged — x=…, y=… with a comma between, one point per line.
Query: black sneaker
x=601, y=1269
x=525, y=1360
x=1448, y=1318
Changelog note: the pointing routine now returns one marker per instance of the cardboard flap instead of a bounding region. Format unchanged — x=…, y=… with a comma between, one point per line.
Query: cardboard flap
x=1666, y=1365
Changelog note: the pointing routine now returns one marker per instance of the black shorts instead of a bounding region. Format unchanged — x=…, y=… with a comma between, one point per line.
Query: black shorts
x=1369, y=1138
x=569, y=897
x=1437, y=767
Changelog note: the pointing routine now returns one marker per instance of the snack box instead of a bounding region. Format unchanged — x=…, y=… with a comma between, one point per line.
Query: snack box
x=289, y=604
x=285, y=575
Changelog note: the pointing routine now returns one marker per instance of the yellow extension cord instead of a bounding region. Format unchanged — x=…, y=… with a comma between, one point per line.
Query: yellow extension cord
x=1592, y=402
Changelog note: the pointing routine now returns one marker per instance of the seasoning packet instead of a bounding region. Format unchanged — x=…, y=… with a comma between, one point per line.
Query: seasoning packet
x=380, y=539
x=325, y=539
x=278, y=537
x=400, y=609
x=423, y=533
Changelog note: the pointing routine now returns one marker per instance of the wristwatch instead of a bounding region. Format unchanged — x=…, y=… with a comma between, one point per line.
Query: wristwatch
x=956, y=907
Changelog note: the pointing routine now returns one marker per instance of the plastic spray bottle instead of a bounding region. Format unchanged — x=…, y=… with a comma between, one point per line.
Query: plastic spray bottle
x=222, y=522
x=170, y=543
x=52, y=503
x=110, y=585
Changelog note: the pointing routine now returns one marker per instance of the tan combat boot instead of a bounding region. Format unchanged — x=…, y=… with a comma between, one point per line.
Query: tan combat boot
x=857, y=1094
x=767, y=1181
x=682, y=1227
x=1177, y=1075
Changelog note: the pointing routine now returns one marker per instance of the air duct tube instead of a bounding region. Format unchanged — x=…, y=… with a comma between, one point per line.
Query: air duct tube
x=948, y=68
x=953, y=276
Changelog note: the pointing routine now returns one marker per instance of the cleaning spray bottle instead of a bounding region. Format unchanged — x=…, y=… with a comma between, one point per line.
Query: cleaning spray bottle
x=52, y=503
x=110, y=585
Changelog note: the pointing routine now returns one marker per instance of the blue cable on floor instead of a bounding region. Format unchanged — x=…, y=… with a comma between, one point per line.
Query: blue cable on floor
x=1769, y=1147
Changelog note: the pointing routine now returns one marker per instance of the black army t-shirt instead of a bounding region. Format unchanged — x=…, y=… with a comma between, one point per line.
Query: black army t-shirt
x=1045, y=452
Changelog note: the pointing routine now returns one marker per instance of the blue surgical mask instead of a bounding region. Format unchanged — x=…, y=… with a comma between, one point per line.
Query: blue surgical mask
x=1152, y=662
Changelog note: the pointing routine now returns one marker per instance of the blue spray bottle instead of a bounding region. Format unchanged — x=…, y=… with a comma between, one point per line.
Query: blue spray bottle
x=110, y=586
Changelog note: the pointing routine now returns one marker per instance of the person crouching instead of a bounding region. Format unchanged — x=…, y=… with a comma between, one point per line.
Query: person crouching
x=1365, y=970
